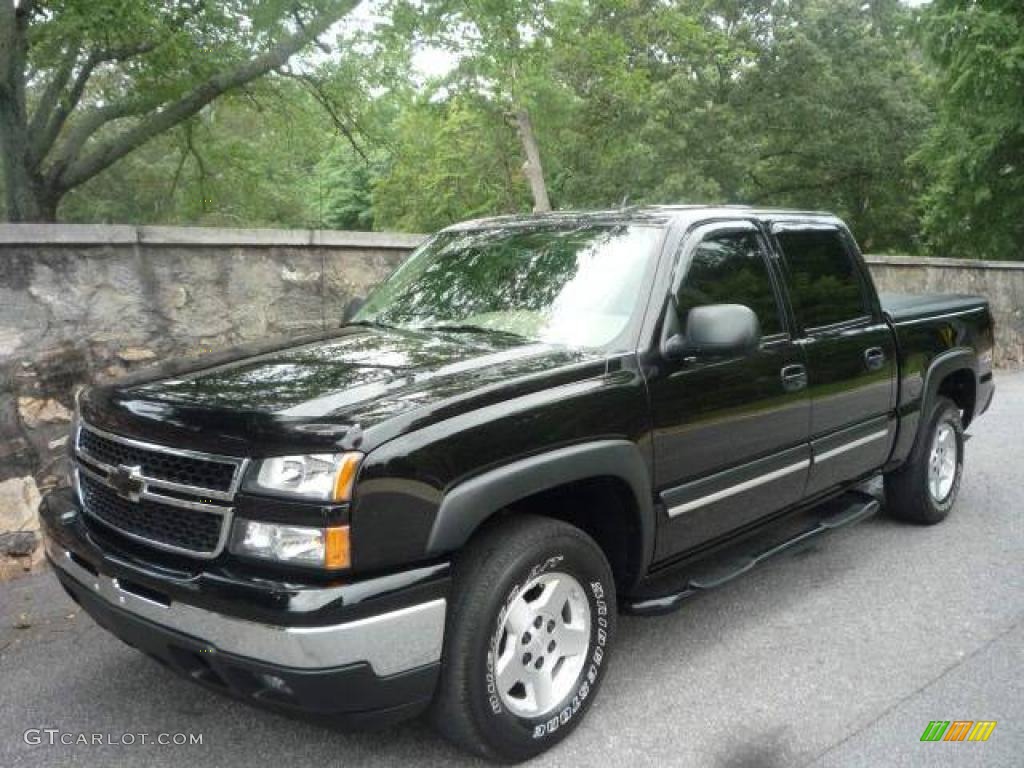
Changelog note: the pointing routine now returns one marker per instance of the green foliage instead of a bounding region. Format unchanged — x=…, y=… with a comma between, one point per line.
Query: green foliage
x=633, y=74
x=974, y=205
x=909, y=123
x=837, y=103
x=251, y=160
x=344, y=191
x=85, y=83
x=451, y=161
x=815, y=104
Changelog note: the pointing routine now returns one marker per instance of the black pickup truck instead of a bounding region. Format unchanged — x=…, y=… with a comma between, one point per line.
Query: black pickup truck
x=534, y=424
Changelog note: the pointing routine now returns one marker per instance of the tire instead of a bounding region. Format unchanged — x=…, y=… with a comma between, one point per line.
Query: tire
x=914, y=493
x=502, y=624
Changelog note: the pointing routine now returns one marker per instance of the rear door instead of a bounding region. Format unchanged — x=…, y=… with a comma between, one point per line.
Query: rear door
x=850, y=351
x=730, y=433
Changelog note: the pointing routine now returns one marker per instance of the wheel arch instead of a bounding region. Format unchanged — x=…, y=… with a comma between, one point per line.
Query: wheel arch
x=953, y=374
x=611, y=475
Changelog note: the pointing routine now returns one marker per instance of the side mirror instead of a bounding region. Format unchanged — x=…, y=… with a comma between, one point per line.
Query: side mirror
x=716, y=330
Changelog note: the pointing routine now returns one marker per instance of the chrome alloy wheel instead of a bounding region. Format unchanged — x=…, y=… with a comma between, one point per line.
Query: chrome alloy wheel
x=942, y=462
x=542, y=645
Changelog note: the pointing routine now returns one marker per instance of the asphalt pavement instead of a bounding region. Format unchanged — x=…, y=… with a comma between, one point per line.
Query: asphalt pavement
x=838, y=655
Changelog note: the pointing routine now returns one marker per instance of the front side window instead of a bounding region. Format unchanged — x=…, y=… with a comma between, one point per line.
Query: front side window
x=823, y=282
x=577, y=285
x=730, y=268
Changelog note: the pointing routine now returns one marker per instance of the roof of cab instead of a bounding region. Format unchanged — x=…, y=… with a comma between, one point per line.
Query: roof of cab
x=648, y=214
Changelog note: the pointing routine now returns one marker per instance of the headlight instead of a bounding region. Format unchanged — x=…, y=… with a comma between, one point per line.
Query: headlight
x=292, y=544
x=327, y=476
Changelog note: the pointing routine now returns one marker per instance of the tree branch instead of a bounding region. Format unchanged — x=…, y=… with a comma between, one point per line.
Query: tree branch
x=177, y=176
x=190, y=147
x=301, y=25
x=788, y=153
x=770, y=191
x=44, y=138
x=88, y=124
x=324, y=100
x=111, y=150
x=48, y=101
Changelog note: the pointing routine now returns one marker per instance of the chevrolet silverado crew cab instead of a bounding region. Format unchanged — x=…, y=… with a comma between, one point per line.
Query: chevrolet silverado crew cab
x=534, y=424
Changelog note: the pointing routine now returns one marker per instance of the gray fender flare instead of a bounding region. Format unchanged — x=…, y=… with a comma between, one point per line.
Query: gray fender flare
x=467, y=505
x=920, y=397
x=942, y=366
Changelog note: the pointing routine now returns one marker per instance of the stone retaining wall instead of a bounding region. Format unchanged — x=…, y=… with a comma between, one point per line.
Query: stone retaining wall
x=81, y=302
x=1002, y=282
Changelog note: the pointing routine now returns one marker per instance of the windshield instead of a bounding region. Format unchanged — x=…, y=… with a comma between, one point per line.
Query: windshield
x=575, y=285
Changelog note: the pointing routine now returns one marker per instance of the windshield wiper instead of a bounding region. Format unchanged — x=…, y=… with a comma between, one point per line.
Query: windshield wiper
x=453, y=328
x=373, y=324
x=470, y=328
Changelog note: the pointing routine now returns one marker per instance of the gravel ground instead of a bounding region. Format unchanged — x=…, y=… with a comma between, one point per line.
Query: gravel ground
x=838, y=655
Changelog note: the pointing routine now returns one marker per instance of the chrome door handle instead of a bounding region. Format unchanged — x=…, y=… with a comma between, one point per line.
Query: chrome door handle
x=794, y=377
x=874, y=358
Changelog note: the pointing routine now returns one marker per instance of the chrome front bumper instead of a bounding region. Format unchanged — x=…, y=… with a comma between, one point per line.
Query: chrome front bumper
x=390, y=643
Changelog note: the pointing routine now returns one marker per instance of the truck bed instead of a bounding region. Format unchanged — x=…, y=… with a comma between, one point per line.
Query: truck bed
x=904, y=307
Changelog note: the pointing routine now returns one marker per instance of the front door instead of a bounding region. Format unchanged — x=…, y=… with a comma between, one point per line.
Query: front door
x=730, y=433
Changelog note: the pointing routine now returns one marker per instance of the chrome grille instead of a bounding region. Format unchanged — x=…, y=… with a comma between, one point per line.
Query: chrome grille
x=165, y=467
x=165, y=497
x=184, y=529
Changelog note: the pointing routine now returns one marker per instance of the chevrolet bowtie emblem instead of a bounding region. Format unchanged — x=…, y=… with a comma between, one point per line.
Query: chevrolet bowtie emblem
x=127, y=482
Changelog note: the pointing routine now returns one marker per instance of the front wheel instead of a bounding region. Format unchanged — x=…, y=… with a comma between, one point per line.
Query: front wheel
x=527, y=640
x=925, y=488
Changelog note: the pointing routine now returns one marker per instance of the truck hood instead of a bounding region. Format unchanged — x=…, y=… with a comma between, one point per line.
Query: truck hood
x=352, y=390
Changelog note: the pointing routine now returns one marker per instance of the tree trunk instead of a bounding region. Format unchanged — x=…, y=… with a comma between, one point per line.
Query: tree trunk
x=532, y=167
x=22, y=192
x=26, y=200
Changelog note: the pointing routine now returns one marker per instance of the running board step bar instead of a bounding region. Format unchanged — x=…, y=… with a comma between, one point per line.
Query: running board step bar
x=726, y=564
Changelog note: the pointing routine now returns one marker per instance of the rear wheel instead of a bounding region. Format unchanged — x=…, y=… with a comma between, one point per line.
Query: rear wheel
x=925, y=488
x=527, y=639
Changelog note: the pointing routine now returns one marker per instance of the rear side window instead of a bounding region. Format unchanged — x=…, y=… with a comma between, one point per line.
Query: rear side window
x=730, y=268
x=824, y=285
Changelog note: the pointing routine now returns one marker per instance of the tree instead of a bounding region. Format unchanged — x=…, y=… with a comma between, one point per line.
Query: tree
x=644, y=117
x=268, y=156
x=84, y=83
x=345, y=189
x=452, y=160
x=502, y=50
x=243, y=161
x=805, y=103
x=974, y=156
x=802, y=103
x=833, y=109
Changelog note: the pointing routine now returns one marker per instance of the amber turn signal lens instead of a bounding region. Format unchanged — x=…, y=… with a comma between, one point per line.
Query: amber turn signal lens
x=337, y=553
x=346, y=476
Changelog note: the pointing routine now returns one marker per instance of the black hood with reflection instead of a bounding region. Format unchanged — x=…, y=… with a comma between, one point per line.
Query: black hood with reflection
x=333, y=391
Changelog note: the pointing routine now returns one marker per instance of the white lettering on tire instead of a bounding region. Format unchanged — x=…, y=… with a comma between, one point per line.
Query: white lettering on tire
x=543, y=729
